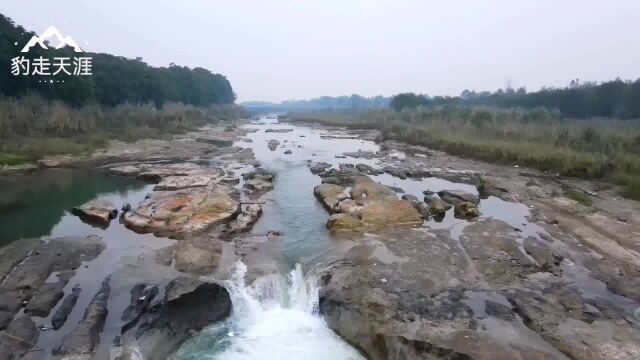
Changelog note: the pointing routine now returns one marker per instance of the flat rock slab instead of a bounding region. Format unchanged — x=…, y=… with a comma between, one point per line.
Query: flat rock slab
x=278, y=130
x=361, y=154
x=156, y=172
x=97, y=212
x=183, y=211
x=172, y=183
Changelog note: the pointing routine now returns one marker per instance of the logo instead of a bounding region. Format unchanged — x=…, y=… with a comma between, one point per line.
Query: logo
x=48, y=34
x=51, y=66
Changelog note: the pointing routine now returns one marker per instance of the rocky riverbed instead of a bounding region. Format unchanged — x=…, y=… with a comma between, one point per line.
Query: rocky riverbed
x=417, y=255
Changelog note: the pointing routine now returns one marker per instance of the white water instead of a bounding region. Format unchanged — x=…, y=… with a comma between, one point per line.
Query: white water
x=276, y=318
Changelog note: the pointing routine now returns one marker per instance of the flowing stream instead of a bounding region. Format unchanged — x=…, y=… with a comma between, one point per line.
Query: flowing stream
x=275, y=318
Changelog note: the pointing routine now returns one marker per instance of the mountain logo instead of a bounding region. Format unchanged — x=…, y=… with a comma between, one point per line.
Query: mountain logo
x=51, y=32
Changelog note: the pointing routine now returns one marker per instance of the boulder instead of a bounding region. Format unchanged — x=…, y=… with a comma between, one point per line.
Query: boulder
x=249, y=215
x=422, y=208
x=98, y=212
x=437, y=205
x=329, y=195
x=183, y=211
x=278, y=130
x=368, y=170
x=288, y=152
x=273, y=144
x=454, y=197
x=320, y=167
x=466, y=210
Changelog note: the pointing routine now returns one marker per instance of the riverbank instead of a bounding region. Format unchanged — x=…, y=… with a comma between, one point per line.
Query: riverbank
x=597, y=149
x=32, y=127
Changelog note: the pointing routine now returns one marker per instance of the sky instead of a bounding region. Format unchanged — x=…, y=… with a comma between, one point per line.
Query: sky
x=296, y=49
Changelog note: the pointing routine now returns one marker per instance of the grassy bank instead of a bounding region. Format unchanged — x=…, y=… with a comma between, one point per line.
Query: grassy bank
x=599, y=149
x=32, y=127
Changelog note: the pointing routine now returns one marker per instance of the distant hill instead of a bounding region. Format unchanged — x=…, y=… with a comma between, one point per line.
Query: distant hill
x=322, y=103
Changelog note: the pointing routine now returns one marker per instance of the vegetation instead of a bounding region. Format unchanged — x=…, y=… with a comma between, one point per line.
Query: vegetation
x=593, y=149
x=578, y=196
x=615, y=99
x=122, y=99
x=114, y=80
x=322, y=103
x=31, y=127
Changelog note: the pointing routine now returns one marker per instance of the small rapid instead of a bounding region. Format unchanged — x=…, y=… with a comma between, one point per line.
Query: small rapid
x=275, y=318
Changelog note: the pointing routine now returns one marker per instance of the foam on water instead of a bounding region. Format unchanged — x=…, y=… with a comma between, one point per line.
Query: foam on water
x=275, y=318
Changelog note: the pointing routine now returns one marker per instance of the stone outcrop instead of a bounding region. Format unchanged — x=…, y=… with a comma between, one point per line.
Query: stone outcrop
x=97, y=212
x=188, y=306
x=182, y=212
x=455, y=197
x=369, y=206
x=84, y=338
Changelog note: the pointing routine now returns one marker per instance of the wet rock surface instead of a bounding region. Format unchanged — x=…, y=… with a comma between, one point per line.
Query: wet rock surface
x=370, y=206
x=182, y=212
x=188, y=306
x=99, y=212
x=86, y=335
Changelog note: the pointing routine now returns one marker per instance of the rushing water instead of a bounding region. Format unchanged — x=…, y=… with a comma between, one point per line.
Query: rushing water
x=275, y=318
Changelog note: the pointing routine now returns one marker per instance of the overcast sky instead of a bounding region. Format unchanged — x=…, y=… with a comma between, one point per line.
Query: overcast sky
x=278, y=50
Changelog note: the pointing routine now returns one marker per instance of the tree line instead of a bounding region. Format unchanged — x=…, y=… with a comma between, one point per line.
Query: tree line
x=614, y=99
x=344, y=102
x=114, y=80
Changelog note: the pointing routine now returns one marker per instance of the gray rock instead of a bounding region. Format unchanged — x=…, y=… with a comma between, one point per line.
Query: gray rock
x=320, y=167
x=62, y=313
x=454, y=197
x=273, y=144
x=437, y=205
x=361, y=154
x=97, y=212
x=278, y=130
x=48, y=295
x=22, y=328
x=422, y=208
x=189, y=305
x=393, y=171
x=141, y=297
x=191, y=259
x=368, y=170
x=84, y=338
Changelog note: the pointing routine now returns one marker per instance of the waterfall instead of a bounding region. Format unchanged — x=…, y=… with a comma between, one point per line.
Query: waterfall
x=275, y=318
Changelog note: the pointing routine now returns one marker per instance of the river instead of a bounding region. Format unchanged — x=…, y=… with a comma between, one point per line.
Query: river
x=277, y=316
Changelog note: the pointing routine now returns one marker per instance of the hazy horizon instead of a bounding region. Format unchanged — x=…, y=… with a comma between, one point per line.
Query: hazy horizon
x=284, y=50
